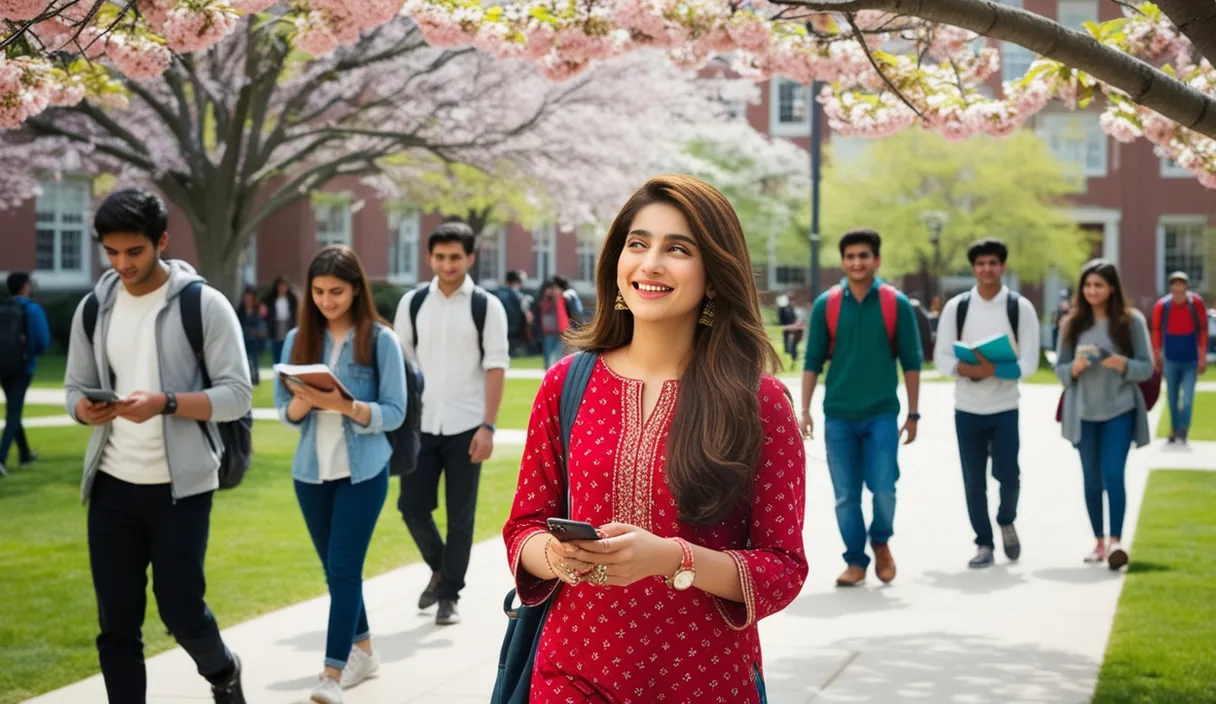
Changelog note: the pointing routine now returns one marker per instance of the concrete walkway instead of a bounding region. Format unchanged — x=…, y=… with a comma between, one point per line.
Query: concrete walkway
x=1034, y=631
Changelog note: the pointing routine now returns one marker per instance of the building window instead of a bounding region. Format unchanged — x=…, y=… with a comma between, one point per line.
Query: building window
x=1077, y=140
x=788, y=103
x=1183, y=250
x=588, y=255
x=333, y=222
x=1073, y=14
x=544, y=240
x=489, y=259
x=790, y=276
x=1015, y=59
x=1171, y=169
x=405, y=227
x=62, y=216
x=250, y=269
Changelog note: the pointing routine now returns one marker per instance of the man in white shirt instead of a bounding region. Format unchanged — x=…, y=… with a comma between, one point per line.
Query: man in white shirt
x=455, y=334
x=986, y=407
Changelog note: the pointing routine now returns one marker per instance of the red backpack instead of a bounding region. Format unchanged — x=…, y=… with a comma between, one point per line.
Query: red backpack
x=886, y=300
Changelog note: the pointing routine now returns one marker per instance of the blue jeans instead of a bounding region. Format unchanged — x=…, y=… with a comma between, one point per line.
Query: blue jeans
x=1104, y=446
x=981, y=436
x=1180, y=392
x=341, y=517
x=863, y=451
x=276, y=352
x=552, y=347
x=15, y=388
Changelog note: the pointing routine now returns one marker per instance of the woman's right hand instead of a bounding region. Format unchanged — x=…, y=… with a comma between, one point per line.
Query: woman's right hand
x=567, y=569
x=1080, y=364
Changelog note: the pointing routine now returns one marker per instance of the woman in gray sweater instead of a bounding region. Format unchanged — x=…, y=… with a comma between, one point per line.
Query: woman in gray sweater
x=1104, y=351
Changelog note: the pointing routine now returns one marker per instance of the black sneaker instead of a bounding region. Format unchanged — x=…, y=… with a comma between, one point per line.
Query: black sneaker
x=230, y=692
x=447, y=615
x=430, y=595
x=1013, y=546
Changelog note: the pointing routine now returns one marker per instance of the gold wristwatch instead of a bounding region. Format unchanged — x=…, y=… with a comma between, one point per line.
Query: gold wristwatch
x=687, y=572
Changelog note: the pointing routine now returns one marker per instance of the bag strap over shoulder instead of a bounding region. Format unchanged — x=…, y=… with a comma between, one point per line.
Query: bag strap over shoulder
x=573, y=389
x=191, y=302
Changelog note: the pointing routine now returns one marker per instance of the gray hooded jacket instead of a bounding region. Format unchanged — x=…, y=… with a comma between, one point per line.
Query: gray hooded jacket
x=193, y=463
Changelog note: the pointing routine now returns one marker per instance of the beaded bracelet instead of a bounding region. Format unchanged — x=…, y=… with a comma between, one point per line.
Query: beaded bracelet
x=547, y=563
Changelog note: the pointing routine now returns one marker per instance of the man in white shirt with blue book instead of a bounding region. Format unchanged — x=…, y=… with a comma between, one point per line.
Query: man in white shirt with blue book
x=986, y=391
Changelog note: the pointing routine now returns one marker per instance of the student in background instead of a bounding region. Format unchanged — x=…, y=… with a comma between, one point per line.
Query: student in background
x=281, y=307
x=553, y=321
x=252, y=315
x=1104, y=352
x=340, y=470
x=26, y=335
x=1180, y=343
x=985, y=406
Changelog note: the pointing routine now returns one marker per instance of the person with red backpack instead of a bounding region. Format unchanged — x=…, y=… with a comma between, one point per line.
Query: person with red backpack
x=863, y=324
x=1180, y=343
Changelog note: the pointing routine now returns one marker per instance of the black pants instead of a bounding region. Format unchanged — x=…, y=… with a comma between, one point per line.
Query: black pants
x=443, y=454
x=14, y=398
x=130, y=526
x=981, y=437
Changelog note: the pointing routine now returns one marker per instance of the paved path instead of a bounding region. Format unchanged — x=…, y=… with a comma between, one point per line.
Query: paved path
x=1034, y=631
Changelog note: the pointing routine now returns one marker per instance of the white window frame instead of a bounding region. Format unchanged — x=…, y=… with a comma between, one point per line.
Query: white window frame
x=50, y=201
x=1073, y=14
x=1169, y=169
x=1053, y=127
x=544, y=250
x=588, y=256
x=1014, y=56
x=788, y=128
x=491, y=248
x=1167, y=221
x=405, y=236
x=322, y=209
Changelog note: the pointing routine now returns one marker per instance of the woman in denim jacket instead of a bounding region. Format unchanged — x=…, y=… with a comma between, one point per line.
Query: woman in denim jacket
x=341, y=464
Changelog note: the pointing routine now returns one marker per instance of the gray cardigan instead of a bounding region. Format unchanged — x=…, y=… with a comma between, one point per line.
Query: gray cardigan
x=1139, y=368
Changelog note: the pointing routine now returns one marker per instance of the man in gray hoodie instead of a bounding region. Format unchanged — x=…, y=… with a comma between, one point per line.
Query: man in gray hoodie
x=152, y=464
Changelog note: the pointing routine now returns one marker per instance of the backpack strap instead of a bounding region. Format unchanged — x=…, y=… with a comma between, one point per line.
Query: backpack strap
x=889, y=302
x=1194, y=301
x=478, y=303
x=835, y=296
x=1014, y=311
x=89, y=318
x=420, y=294
x=573, y=389
x=191, y=302
x=960, y=314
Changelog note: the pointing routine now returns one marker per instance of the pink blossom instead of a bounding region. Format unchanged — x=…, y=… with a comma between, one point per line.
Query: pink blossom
x=313, y=34
x=21, y=10
x=155, y=12
x=251, y=5
x=1119, y=127
x=136, y=58
x=188, y=30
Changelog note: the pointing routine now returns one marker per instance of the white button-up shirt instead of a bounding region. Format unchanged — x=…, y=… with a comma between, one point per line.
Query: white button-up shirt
x=454, y=373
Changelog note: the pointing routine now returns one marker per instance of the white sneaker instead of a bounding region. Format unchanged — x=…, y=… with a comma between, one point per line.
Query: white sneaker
x=359, y=666
x=1096, y=557
x=327, y=692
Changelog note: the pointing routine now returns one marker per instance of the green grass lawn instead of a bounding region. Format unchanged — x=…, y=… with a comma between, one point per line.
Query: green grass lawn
x=1163, y=644
x=260, y=558
x=36, y=411
x=1203, y=417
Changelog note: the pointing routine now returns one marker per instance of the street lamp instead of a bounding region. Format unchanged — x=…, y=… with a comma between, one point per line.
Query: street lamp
x=816, y=161
x=935, y=220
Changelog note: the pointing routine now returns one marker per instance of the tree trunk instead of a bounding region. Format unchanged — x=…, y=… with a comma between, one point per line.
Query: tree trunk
x=222, y=273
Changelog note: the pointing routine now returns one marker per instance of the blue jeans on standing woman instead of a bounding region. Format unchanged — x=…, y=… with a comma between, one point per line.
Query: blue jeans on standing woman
x=552, y=348
x=865, y=452
x=341, y=517
x=1180, y=380
x=1104, y=446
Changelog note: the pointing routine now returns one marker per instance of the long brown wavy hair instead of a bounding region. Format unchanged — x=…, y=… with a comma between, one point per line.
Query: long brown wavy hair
x=1118, y=309
x=716, y=435
x=340, y=262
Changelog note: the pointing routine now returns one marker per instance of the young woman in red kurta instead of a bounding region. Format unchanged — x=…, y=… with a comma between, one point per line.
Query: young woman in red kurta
x=684, y=453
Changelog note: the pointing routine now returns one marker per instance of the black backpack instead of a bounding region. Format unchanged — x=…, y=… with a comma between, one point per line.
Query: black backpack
x=407, y=439
x=1011, y=309
x=14, y=358
x=236, y=437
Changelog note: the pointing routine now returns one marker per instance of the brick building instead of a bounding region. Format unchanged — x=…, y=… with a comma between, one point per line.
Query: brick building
x=1148, y=215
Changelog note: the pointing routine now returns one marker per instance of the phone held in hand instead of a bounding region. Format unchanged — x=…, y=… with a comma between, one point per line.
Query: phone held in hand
x=566, y=530
x=102, y=396
x=1093, y=353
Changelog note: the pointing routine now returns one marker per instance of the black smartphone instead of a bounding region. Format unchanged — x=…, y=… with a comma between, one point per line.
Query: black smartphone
x=102, y=396
x=565, y=530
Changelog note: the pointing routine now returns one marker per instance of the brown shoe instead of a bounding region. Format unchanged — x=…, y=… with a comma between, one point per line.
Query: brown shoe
x=884, y=564
x=851, y=577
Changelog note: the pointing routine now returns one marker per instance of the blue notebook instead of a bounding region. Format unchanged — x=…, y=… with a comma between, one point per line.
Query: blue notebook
x=997, y=349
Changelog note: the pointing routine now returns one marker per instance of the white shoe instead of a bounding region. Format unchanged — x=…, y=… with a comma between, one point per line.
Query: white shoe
x=359, y=667
x=1096, y=557
x=327, y=692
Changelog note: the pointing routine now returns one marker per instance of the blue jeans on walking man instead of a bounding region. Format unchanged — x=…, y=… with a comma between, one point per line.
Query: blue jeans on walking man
x=979, y=437
x=1180, y=380
x=865, y=452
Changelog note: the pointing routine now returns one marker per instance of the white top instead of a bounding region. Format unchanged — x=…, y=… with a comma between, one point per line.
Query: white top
x=454, y=374
x=333, y=458
x=281, y=309
x=135, y=452
x=985, y=319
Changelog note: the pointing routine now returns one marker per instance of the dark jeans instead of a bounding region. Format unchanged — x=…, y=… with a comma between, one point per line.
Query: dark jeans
x=1104, y=446
x=341, y=517
x=14, y=399
x=981, y=437
x=130, y=526
x=276, y=352
x=1180, y=380
x=449, y=455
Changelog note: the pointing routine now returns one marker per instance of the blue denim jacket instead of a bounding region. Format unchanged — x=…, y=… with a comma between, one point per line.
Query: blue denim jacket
x=368, y=446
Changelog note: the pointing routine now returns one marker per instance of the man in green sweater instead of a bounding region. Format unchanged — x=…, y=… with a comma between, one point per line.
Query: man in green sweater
x=863, y=324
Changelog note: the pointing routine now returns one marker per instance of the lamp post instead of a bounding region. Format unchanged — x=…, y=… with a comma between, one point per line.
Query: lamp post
x=816, y=161
x=935, y=220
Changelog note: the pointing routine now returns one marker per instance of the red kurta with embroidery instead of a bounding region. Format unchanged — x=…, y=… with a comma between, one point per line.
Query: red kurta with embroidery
x=647, y=642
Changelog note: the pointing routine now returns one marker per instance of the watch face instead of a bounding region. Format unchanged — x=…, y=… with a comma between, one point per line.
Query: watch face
x=683, y=579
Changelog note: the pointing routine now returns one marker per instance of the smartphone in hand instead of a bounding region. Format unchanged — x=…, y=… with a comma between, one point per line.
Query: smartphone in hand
x=102, y=396
x=566, y=530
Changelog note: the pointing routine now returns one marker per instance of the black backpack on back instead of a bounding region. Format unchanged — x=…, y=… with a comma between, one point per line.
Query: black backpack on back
x=236, y=437
x=15, y=356
x=1011, y=309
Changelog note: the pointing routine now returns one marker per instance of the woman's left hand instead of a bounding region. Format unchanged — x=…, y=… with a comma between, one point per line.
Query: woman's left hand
x=1116, y=362
x=321, y=400
x=627, y=553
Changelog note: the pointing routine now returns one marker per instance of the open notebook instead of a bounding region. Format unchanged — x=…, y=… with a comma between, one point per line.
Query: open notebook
x=317, y=376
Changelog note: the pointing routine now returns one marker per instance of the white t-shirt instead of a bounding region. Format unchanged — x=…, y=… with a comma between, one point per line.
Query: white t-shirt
x=135, y=452
x=333, y=459
x=282, y=312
